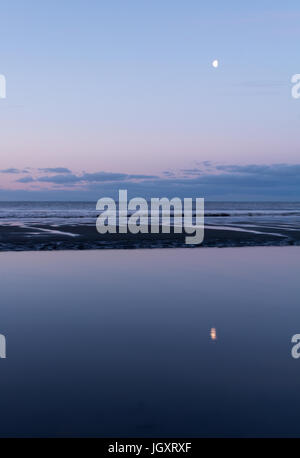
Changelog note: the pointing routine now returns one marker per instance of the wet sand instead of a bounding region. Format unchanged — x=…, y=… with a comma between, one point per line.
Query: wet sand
x=82, y=237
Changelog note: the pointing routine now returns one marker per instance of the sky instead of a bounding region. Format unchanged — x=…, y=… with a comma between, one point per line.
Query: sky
x=109, y=93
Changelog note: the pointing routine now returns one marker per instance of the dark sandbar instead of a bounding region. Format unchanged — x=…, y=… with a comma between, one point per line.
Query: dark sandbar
x=83, y=237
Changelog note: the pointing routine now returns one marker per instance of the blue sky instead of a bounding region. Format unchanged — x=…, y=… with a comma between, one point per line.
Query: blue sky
x=126, y=88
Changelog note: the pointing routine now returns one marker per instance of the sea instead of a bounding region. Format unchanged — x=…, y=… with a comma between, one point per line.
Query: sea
x=72, y=225
x=150, y=343
x=63, y=213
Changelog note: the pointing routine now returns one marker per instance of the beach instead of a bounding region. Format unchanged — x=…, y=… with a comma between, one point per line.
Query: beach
x=40, y=237
x=158, y=343
x=40, y=226
x=149, y=222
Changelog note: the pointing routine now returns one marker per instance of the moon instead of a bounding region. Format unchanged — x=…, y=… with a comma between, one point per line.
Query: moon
x=215, y=63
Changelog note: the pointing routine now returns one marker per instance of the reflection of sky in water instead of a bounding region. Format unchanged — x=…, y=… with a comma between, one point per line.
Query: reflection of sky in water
x=120, y=342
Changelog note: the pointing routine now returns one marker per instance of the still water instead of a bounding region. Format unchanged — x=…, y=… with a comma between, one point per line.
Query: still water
x=174, y=343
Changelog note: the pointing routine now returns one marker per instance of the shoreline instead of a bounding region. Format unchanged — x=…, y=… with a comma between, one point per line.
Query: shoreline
x=51, y=237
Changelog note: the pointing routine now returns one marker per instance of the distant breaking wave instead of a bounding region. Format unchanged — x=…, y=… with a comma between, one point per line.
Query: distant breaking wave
x=86, y=213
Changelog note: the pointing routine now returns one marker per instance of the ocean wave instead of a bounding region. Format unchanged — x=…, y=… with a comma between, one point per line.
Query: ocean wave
x=94, y=214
